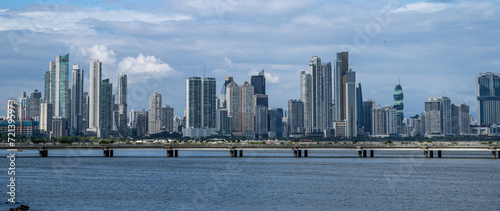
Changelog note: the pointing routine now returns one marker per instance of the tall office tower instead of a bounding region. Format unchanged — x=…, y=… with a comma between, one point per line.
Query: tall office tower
x=464, y=120
x=105, y=109
x=275, y=121
x=35, y=99
x=360, y=121
x=194, y=102
x=209, y=103
x=223, y=103
x=378, y=121
x=46, y=114
x=167, y=119
x=77, y=101
x=433, y=123
x=422, y=124
x=398, y=102
x=321, y=94
x=259, y=83
x=305, y=97
x=446, y=115
x=414, y=122
x=46, y=95
x=59, y=126
x=341, y=69
x=262, y=100
x=121, y=103
x=488, y=98
x=233, y=100
x=350, y=104
x=154, y=113
x=52, y=99
x=391, y=120
x=62, y=95
x=23, y=109
x=94, y=95
x=247, y=109
x=295, y=117
x=261, y=121
x=455, y=125
x=85, y=112
x=223, y=122
x=132, y=123
x=142, y=123
x=367, y=115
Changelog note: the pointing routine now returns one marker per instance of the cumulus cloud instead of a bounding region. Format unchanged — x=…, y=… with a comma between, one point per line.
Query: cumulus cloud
x=422, y=7
x=143, y=67
x=270, y=77
x=101, y=52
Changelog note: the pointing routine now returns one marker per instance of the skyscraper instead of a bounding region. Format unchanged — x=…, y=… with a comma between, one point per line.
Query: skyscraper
x=233, y=100
x=105, y=109
x=446, y=115
x=259, y=83
x=433, y=123
x=247, y=109
x=321, y=95
x=464, y=121
x=398, y=102
x=154, y=125
x=367, y=113
x=47, y=86
x=261, y=121
x=194, y=103
x=46, y=114
x=121, y=104
x=61, y=86
x=305, y=97
x=94, y=95
x=35, y=99
x=168, y=118
x=262, y=100
x=209, y=103
x=223, y=103
x=488, y=98
x=76, y=101
x=341, y=69
x=296, y=117
x=52, y=100
x=350, y=104
x=360, y=121
x=142, y=123
x=275, y=121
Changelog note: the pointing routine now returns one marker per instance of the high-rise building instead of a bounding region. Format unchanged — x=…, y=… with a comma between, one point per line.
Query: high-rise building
x=341, y=69
x=52, y=68
x=360, y=120
x=261, y=121
x=259, y=83
x=94, y=95
x=446, y=115
x=275, y=121
x=194, y=103
x=296, y=117
x=209, y=103
x=47, y=89
x=262, y=100
x=391, y=120
x=142, y=123
x=433, y=115
x=105, y=109
x=132, y=123
x=455, y=125
x=223, y=122
x=46, y=114
x=121, y=105
x=350, y=104
x=59, y=127
x=247, y=109
x=24, y=109
x=321, y=97
x=384, y=121
x=233, y=100
x=222, y=103
x=35, y=100
x=398, y=102
x=154, y=113
x=167, y=119
x=85, y=111
x=488, y=98
x=367, y=116
x=305, y=97
x=76, y=124
x=464, y=120
x=61, y=105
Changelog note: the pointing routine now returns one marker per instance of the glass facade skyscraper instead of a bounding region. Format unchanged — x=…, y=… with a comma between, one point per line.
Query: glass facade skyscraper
x=61, y=104
x=488, y=98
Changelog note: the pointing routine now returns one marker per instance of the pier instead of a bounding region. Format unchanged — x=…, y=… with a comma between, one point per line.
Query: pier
x=236, y=150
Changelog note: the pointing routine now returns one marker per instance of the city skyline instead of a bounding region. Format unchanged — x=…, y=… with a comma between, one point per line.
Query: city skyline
x=393, y=51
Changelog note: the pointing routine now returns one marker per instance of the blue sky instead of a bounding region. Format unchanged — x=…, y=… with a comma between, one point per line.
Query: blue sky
x=436, y=48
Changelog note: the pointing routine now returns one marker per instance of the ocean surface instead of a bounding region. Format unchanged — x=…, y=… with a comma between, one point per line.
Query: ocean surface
x=270, y=180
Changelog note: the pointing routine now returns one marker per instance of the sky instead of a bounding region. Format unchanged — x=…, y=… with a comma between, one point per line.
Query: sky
x=435, y=48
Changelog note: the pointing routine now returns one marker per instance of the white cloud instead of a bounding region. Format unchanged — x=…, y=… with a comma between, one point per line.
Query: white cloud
x=228, y=62
x=422, y=7
x=144, y=67
x=101, y=52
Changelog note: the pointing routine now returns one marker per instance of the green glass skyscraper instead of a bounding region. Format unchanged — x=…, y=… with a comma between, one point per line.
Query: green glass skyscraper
x=398, y=101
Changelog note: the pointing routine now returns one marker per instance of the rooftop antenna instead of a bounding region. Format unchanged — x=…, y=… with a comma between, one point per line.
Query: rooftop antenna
x=399, y=80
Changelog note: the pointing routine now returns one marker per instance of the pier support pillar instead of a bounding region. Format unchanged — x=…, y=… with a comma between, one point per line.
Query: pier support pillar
x=170, y=153
x=43, y=153
x=231, y=153
x=425, y=154
x=300, y=153
x=371, y=153
x=305, y=153
x=359, y=154
x=294, y=153
x=241, y=153
x=432, y=154
x=493, y=154
x=110, y=153
x=106, y=153
x=439, y=153
x=176, y=153
x=364, y=153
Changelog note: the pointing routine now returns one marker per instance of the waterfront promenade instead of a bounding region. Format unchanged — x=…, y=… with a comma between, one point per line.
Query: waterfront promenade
x=363, y=149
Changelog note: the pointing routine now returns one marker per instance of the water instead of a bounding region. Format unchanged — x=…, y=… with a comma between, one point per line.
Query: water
x=210, y=180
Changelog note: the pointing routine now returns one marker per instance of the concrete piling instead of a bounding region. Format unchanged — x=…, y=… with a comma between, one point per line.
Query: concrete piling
x=371, y=153
x=106, y=153
x=432, y=154
x=170, y=153
x=439, y=153
x=241, y=153
x=305, y=153
x=493, y=154
x=176, y=153
x=426, y=154
x=359, y=154
x=294, y=153
x=364, y=153
x=300, y=153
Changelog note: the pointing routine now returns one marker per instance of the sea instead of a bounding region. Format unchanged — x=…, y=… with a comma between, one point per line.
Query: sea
x=261, y=180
